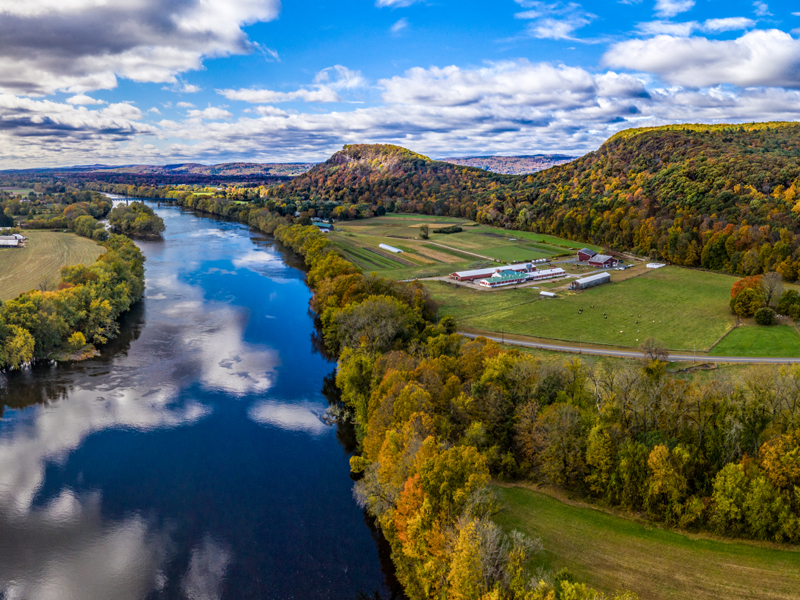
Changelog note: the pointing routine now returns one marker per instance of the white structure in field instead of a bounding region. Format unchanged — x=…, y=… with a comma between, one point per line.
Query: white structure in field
x=505, y=277
x=390, y=248
x=655, y=265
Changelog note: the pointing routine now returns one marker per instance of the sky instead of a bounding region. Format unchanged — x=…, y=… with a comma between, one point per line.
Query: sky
x=209, y=81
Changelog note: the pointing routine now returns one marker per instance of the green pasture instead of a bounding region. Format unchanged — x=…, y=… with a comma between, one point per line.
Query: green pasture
x=611, y=553
x=681, y=307
x=775, y=341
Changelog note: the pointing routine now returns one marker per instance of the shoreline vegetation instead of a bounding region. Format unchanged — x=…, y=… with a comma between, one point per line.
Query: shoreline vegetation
x=437, y=416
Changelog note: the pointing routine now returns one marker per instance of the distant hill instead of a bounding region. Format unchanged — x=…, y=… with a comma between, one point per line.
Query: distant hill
x=382, y=174
x=221, y=170
x=512, y=165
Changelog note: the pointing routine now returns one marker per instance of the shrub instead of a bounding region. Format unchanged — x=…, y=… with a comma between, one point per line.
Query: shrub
x=765, y=316
x=451, y=229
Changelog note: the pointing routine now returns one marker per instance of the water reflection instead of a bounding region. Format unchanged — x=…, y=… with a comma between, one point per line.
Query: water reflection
x=188, y=460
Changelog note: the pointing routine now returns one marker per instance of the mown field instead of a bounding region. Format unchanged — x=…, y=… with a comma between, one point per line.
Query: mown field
x=681, y=307
x=24, y=269
x=612, y=553
x=781, y=340
x=475, y=246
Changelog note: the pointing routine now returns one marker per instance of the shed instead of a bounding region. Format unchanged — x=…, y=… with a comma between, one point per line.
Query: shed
x=389, y=248
x=12, y=243
x=547, y=294
x=603, y=260
x=591, y=281
x=585, y=254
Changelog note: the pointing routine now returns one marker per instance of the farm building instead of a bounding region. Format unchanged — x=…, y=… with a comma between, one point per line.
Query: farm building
x=483, y=273
x=324, y=227
x=603, y=260
x=389, y=248
x=505, y=277
x=501, y=278
x=591, y=281
x=547, y=294
x=585, y=254
x=8, y=241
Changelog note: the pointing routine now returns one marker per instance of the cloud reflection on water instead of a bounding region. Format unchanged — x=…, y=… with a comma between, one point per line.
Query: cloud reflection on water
x=303, y=417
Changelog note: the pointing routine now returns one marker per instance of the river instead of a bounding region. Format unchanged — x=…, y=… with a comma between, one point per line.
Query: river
x=188, y=460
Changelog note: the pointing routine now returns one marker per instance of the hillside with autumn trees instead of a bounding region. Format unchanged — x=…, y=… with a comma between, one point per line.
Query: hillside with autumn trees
x=723, y=197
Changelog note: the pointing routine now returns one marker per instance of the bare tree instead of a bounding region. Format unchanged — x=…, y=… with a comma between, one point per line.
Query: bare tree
x=654, y=349
x=772, y=284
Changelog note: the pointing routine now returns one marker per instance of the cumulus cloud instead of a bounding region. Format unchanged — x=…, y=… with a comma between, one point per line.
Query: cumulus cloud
x=670, y=8
x=757, y=58
x=84, y=45
x=556, y=21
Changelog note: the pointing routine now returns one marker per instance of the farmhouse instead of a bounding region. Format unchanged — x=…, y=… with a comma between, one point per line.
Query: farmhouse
x=389, y=248
x=483, y=273
x=585, y=254
x=324, y=227
x=591, y=281
x=603, y=260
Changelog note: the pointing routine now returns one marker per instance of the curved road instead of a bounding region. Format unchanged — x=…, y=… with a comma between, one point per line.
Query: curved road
x=631, y=354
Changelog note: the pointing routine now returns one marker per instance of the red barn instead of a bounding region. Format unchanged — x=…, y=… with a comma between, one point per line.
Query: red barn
x=602, y=260
x=586, y=254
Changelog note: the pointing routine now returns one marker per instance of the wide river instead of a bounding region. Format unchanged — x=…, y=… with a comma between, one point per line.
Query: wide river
x=189, y=460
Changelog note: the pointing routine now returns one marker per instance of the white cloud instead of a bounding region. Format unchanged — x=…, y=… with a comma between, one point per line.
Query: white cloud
x=667, y=28
x=728, y=24
x=84, y=100
x=757, y=58
x=154, y=110
x=88, y=44
x=327, y=84
x=339, y=77
x=761, y=9
x=670, y=8
x=399, y=26
x=556, y=21
x=212, y=113
x=184, y=105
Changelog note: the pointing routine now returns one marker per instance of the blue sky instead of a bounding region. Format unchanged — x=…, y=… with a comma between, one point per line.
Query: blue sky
x=159, y=81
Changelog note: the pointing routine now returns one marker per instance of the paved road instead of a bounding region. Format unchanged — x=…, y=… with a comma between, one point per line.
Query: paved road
x=630, y=354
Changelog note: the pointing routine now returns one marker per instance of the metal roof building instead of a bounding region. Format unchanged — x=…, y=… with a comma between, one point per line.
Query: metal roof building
x=591, y=281
x=482, y=273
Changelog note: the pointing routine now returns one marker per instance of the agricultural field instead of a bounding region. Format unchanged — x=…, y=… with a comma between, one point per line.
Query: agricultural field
x=40, y=262
x=611, y=553
x=781, y=340
x=476, y=246
x=681, y=307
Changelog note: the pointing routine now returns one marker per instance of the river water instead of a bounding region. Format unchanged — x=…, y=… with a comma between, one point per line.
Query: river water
x=189, y=460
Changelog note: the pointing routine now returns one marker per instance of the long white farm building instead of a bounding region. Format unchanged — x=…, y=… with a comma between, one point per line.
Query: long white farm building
x=591, y=281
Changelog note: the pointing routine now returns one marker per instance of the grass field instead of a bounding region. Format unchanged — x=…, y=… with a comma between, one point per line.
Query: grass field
x=679, y=306
x=23, y=269
x=441, y=253
x=781, y=340
x=611, y=553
